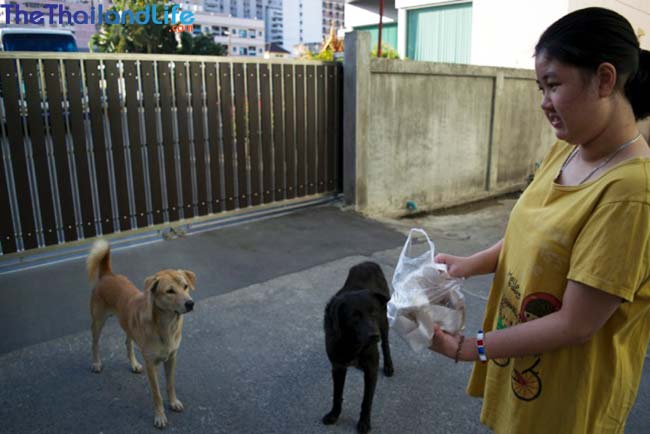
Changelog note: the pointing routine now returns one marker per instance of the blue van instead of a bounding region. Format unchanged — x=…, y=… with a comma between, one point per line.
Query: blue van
x=37, y=39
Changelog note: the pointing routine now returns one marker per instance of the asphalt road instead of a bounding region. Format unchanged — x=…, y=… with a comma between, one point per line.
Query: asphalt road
x=252, y=358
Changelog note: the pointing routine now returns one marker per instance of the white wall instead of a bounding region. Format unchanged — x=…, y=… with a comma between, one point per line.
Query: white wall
x=357, y=16
x=504, y=32
x=636, y=11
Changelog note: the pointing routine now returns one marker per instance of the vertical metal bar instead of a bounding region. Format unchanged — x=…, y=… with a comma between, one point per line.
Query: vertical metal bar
x=290, y=131
x=279, y=139
x=150, y=118
x=61, y=148
x=198, y=128
x=116, y=202
x=184, y=142
x=136, y=139
x=41, y=185
x=56, y=228
x=66, y=97
x=168, y=134
x=228, y=116
x=241, y=133
x=301, y=128
x=310, y=130
x=207, y=160
x=8, y=220
x=176, y=141
x=215, y=128
x=99, y=146
x=266, y=112
x=114, y=120
x=88, y=150
x=23, y=222
x=254, y=132
x=321, y=120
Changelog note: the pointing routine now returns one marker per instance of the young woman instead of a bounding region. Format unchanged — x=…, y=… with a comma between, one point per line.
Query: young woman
x=567, y=322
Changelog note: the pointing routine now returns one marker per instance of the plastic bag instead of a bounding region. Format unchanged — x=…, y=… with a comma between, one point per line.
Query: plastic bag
x=424, y=295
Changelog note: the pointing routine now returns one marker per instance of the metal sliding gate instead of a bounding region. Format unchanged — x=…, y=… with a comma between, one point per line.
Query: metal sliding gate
x=98, y=144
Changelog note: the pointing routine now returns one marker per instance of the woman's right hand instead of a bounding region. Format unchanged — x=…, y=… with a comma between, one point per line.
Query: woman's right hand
x=457, y=266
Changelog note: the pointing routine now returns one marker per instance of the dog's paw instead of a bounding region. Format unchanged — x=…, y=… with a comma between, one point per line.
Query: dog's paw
x=96, y=367
x=363, y=426
x=330, y=418
x=388, y=370
x=160, y=420
x=136, y=368
x=176, y=405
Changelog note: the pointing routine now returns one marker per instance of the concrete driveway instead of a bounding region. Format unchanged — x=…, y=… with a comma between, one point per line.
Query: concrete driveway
x=252, y=358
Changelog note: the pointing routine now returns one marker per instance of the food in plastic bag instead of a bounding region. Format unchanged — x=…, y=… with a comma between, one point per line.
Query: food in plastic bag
x=424, y=295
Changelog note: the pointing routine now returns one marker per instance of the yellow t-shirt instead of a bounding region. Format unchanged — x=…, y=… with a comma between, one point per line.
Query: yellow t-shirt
x=597, y=233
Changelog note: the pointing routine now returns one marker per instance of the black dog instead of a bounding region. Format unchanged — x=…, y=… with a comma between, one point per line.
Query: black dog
x=355, y=319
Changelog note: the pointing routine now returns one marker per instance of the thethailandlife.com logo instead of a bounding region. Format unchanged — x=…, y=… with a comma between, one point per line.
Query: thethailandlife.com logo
x=57, y=14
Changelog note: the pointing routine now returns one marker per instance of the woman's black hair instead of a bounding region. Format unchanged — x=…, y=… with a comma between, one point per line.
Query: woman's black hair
x=589, y=37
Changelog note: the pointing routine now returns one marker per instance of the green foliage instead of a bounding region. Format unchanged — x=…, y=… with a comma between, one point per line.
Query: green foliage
x=326, y=55
x=387, y=52
x=202, y=45
x=150, y=38
x=132, y=37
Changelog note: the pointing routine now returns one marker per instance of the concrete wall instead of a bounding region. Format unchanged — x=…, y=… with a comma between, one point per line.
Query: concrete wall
x=436, y=134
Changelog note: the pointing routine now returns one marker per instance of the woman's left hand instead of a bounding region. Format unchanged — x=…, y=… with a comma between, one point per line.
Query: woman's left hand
x=444, y=343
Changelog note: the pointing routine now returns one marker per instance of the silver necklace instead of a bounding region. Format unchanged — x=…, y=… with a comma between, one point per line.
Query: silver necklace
x=610, y=158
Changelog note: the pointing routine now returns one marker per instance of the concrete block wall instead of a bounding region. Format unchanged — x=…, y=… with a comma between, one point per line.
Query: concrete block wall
x=435, y=134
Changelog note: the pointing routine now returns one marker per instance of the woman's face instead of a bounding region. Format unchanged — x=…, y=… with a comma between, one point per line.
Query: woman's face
x=570, y=100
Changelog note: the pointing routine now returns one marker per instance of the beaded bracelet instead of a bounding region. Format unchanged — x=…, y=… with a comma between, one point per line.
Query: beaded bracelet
x=480, y=347
x=460, y=344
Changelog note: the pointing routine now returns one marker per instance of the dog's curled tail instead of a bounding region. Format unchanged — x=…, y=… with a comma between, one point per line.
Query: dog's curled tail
x=99, y=259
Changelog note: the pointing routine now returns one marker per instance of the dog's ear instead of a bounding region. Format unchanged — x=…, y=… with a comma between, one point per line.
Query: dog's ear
x=150, y=286
x=383, y=299
x=191, y=278
x=332, y=317
x=378, y=280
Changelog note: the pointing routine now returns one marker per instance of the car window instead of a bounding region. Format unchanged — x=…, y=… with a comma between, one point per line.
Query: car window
x=38, y=42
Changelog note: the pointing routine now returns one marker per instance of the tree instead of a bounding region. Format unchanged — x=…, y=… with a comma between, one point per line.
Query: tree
x=150, y=38
x=132, y=37
x=201, y=44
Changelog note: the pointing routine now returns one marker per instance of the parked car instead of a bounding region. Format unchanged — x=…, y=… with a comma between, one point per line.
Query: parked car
x=37, y=39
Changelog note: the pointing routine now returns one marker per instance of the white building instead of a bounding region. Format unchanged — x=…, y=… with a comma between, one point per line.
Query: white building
x=235, y=8
x=479, y=32
x=274, y=23
x=242, y=36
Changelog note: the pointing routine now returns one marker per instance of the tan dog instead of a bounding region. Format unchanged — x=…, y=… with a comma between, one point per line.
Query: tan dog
x=151, y=318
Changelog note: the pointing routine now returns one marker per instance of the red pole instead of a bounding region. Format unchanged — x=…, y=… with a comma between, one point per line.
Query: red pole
x=381, y=19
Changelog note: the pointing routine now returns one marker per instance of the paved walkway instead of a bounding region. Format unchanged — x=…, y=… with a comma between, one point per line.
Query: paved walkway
x=252, y=358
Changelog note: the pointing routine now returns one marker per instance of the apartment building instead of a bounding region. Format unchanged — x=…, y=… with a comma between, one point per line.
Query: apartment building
x=309, y=21
x=242, y=36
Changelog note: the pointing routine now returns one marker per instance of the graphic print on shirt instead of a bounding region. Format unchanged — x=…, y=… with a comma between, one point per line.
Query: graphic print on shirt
x=526, y=381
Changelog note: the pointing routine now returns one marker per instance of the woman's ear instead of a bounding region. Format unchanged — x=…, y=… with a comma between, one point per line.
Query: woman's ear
x=191, y=278
x=606, y=75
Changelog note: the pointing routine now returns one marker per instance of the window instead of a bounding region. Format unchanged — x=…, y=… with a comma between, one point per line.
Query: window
x=251, y=33
x=243, y=51
x=242, y=33
x=252, y=51
x=440, y=34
